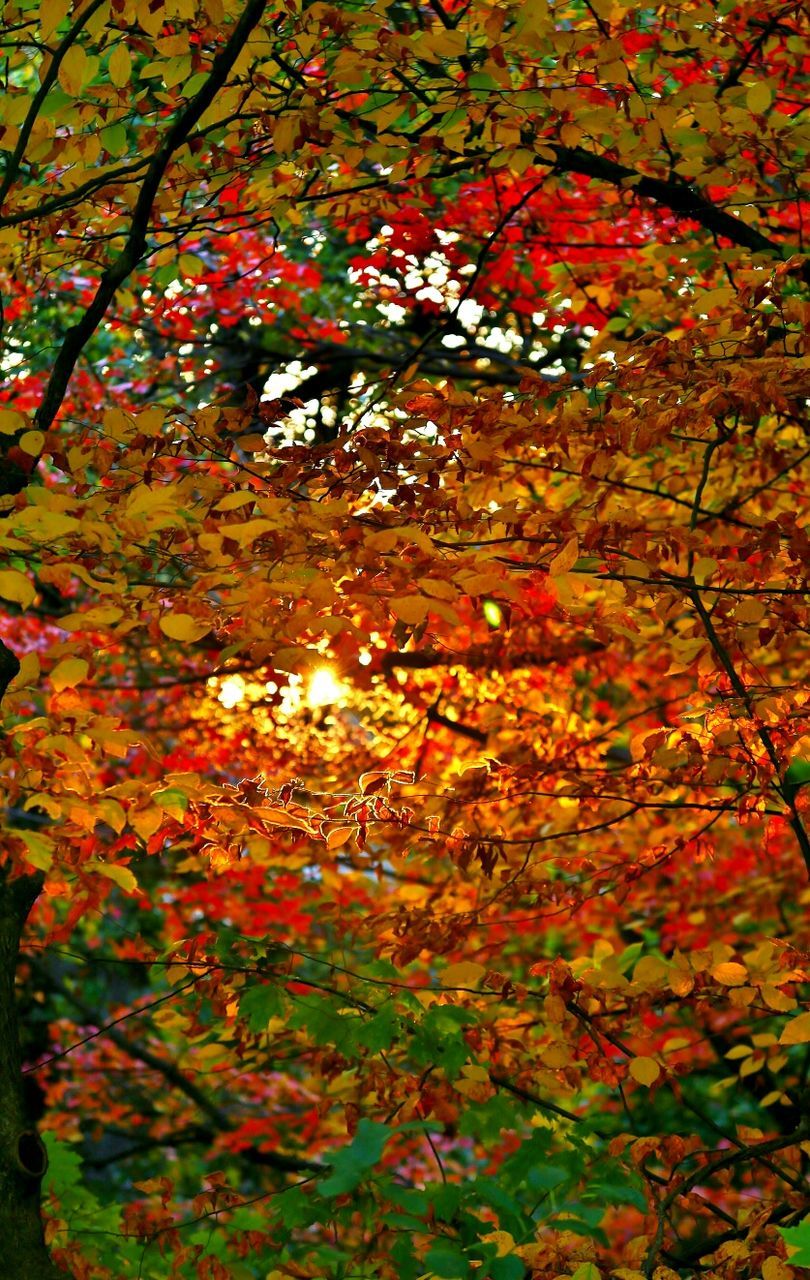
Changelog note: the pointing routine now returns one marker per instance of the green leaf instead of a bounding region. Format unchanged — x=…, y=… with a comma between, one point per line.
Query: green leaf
x=351, y=1165
x=445, y=1198
x=64, y=1166
x=798, y=775
x=509, y=1268
x=261, y=1003
x=447, y=1260
x=406, y=1265
x=798, y=1238
x=440, y=1039
x=379, y=1032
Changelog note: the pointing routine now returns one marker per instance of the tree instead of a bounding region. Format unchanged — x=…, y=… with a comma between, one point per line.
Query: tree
x=404, y=644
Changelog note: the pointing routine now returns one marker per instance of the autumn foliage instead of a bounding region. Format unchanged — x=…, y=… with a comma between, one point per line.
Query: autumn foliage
x=404, y=640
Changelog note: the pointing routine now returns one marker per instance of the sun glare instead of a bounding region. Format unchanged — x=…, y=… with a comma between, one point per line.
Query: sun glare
x=324, y=688
x=232, y=691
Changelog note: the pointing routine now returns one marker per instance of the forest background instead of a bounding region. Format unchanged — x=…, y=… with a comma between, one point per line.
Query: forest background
x=404, y=640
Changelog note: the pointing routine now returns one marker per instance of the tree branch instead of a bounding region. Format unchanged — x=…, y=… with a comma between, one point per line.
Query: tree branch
x=135, y=246
x=679, y=197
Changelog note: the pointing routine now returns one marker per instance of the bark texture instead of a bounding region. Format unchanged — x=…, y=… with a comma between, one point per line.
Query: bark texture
x=23, y=1160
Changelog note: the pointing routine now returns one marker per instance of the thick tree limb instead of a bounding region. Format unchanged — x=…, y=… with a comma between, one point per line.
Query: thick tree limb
x=679, y=197
x=23, y=1159
x=133, y=250
x=37, y=102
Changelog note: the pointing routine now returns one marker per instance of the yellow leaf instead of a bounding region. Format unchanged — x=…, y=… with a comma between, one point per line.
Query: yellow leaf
x=797, y=1030
x=40, y=849
x=68, y=673
x=650, y=970
x=464, y=974
x=730, y=974
x=555, y=1056
x=151, y=499
x=146, y=821
x=776, y=999
x=503, y=1241
x=51, y=13
x=28, y=673
x=32, y=442
x=16, y=587
x=43, y=524
x=758, y=98
x=182, y=626
x=285, y=134
x=190, y=264
x=775, y=1269
x=119, y=67
x=112, y=813
x=247, y=531
x=284, y=818
x=102, y=615
x=705, y=566
x=534, y=1255
x=338, y=836
x=238, y=499
x=122, y=876
x=409, y=609
x=10, y=421
x=566, y=558
x=645, y=1070
x=438, y=587
x=74, y=70
x=751, y=610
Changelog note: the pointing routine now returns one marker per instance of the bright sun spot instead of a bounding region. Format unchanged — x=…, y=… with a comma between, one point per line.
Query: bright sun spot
x=232, y=691
x=324, y=688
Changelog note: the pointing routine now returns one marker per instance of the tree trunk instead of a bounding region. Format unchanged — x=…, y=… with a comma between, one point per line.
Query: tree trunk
x=23, y=1158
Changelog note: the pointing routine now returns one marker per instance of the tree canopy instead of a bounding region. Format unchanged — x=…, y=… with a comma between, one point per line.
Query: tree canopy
x=404, y=640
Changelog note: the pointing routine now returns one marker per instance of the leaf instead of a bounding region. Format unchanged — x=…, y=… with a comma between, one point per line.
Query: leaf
x=730, y=974
x=28, y=673
x=797, y=775
x=338, y=836
x=51, y=14
x=68, y=673
x=260, y=1004
x=586, y=1271
x=122, y=876
x=173, y=801
x=74, y=71
x=776, y=1269
x=758, y=98
x=190, y=265
x=645, y=1070
x=11, y=421
x=119, y=67
x=353, y=1163
x=448, y=1261
x=465, y=974
x=411, y=610
x=40, y=850
x=565, y=559
x=32, y=442
x=16, y=587
x=183, y=626
x=797, y=1030
x=797, y=1240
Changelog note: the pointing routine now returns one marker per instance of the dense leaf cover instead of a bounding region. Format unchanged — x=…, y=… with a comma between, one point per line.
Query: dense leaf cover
x=404, y=472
